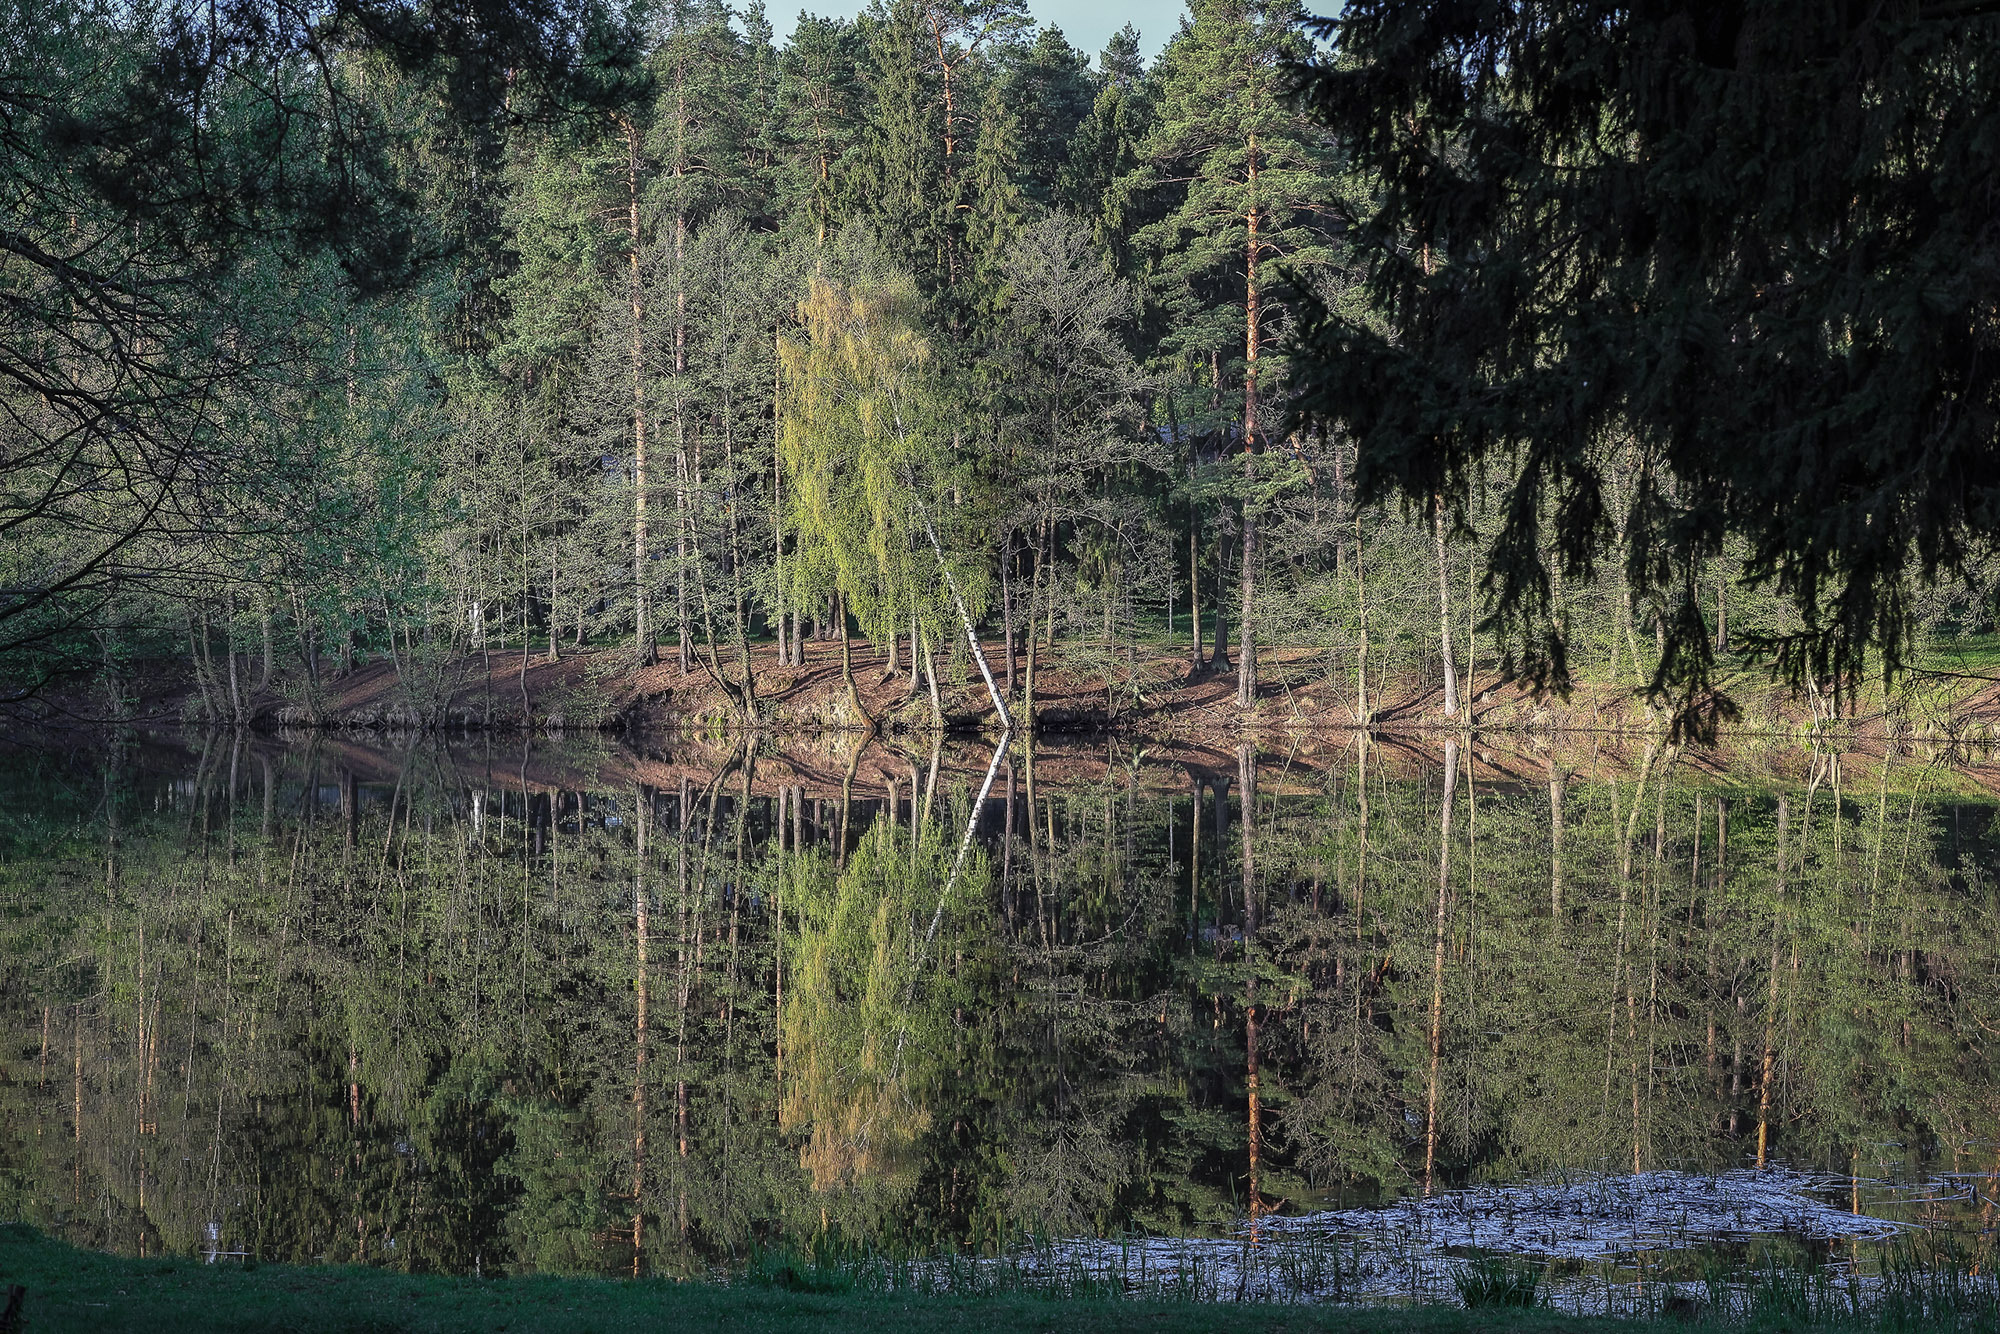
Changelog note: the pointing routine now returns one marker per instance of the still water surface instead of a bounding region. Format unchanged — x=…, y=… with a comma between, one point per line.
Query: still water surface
x=478, y=1009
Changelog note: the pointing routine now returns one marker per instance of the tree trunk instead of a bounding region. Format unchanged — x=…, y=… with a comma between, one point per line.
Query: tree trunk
x=1721, y=613
x=930, y=679
x=1246, y=664
x=1444, y=610
x=847, y=668
x=1361, y=649
x=739, y=596
x=1219, y=660
x=1007, y=608
x=1246, y=772
x=1196, y=662
x=642, y=625
x=1032, y=640
x=270, y=652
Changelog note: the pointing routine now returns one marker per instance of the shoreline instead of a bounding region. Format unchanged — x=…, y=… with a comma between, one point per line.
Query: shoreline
x=1158, y=698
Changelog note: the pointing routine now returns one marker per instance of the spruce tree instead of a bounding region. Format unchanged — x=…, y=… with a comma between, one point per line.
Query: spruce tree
x=1745, y=251
x=1104, y=150
x=820, y=93
x=1051, y=92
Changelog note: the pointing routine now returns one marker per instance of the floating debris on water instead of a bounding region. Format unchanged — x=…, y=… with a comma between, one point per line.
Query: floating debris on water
x=1602, y=1216
x=1416, y=1248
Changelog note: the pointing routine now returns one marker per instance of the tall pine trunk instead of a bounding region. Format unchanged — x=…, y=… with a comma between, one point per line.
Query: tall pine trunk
x=642, y=626
x=1246, y=662
x=1196, y=662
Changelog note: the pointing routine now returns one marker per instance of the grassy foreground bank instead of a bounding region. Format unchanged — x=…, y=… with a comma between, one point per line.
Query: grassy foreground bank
x=68, y=1290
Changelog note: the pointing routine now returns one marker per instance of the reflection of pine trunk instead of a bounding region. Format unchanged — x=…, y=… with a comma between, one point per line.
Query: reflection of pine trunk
x=1707, y=902
x=1720, y=896
x=685, y=965
x=641, y=917
x=1361, y=834
x=1652, y=911
x=1618, y=974
x=1556, y=803
x=1246, y=772
x=1194, y=868
x=1771, y=1000
x=1006, y=851
x=781, y=820
x=76, y=1102
x=1437, y=961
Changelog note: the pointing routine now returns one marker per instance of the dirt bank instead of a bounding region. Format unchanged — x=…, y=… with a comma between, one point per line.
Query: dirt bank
x=1155, y=696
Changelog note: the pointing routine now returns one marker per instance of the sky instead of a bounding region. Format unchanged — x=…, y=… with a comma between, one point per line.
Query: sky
x=1087, y=23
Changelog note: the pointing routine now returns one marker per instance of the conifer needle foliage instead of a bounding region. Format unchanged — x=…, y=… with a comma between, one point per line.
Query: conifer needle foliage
x=1745, y=255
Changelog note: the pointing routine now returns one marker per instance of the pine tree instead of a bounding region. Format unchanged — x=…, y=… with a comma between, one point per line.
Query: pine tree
x=1244, y=183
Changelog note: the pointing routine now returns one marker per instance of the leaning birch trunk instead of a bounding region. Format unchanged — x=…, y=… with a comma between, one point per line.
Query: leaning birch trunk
x=964, y=616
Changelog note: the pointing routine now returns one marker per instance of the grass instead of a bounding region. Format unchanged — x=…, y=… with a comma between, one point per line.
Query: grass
x=1494, y=1280
x=779, y=1292
x=72, y=1290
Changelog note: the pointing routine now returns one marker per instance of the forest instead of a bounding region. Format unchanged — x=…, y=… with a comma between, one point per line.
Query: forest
x=923, y=334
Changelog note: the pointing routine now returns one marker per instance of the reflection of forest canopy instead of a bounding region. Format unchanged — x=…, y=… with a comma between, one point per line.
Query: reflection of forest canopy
x=399, y=1024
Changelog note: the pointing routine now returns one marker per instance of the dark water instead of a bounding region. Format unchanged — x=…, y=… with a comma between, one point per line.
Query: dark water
x=453, y=1008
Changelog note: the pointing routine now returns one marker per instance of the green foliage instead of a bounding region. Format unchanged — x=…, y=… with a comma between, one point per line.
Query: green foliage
x=472, y=343
x=1688, y=280
x=1492, y=1280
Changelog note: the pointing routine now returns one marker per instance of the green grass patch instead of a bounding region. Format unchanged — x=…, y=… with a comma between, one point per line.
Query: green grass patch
x=73, y=1290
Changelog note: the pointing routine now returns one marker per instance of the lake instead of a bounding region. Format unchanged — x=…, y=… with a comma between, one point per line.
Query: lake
x=1314, y=1020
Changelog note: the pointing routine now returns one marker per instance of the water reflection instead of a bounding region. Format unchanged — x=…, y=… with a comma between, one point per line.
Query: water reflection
x=471, y=1010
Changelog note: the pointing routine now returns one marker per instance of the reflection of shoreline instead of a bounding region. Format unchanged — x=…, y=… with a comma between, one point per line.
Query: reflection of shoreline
x=819, y=762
